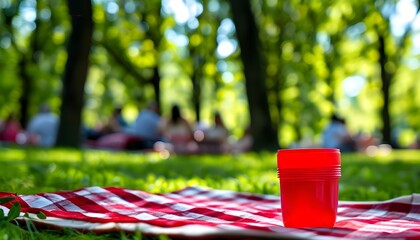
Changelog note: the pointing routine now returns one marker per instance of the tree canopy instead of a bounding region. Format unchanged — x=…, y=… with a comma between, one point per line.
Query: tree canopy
x=355, y=58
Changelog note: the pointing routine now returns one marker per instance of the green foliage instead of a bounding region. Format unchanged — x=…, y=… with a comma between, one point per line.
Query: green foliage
x=309, y=47
x=13, y=213
x=6, y=200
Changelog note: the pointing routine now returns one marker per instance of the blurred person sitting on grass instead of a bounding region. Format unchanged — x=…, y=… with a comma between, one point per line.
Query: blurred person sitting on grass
x=215, y=138
x=336, y=135
x=178, y=133
x=42, y=128
x=217, y=133
x=146, y=125
x=115, y=124
x=10, y=129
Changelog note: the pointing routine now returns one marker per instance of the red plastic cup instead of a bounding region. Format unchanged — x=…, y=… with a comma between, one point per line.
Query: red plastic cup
x=309, y=186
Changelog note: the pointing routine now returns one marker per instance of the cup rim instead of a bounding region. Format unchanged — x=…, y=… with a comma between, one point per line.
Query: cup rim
x=308, y=157
x=313, y=150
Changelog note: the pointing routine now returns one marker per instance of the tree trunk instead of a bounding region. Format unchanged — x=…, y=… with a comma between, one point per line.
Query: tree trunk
x=156, y=84
x=26, y=91
x=75, y=73
x=386, y=83
x=156, y=36
x=264, y=132
x=196, y=83
x=196, y=96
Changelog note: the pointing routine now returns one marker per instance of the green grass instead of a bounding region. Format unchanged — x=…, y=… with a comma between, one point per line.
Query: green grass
x=27, y=171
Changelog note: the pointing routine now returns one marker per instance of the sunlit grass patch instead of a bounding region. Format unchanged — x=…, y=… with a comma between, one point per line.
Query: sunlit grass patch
x=380, y=177
x=37, y=170
x=8, y=154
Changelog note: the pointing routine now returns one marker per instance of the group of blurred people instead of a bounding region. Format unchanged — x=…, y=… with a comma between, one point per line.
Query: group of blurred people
x=172, y=133
x=41, y=129
x=150, y=130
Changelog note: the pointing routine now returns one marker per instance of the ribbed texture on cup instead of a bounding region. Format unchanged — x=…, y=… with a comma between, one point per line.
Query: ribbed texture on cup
x=309, y=173
x=309, y=186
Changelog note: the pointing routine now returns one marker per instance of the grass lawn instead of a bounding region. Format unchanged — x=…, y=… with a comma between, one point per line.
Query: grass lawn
x=27, y=171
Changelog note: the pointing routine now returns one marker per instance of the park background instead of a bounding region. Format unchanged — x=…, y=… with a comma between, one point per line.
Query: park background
x=280, y=67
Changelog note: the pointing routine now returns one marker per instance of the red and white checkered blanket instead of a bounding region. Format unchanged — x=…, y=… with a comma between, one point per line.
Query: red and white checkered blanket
x=197, y=212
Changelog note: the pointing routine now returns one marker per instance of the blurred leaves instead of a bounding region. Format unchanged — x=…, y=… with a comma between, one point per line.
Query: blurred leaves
x=310, y=48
